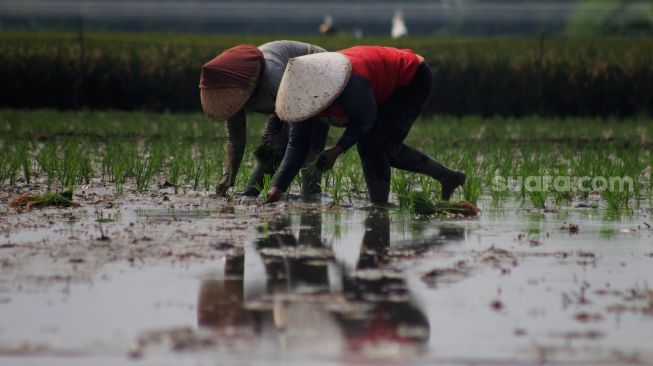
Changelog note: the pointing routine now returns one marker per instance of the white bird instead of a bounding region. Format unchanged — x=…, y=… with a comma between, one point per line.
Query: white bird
x=327, y=25
x=398, y=25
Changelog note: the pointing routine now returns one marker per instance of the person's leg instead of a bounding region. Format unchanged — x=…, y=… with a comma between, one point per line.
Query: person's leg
x=408, y=158
x=273, y=146
x=376, y=170
x=311, y=179
x=397, y=115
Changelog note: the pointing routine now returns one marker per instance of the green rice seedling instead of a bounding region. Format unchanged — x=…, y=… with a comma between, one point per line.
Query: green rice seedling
x=537, y=195
x=356, y=179
x=118, y=177
x=174, y=171
x=4, y=171
x=242, y=178
x=194, y=173
x=430, y=186
x=85, y=167
x=618, y=196
x=69, y=166
x=265, y=187
x=538, y=198
x=143, y=173
x=24, y=160
x=208, y=173
x=335, y=187
x=47, y=159
x=472, y=188
x=402, y=185
x=111, y=158
x=562, y=195
x=14, y=166
x=156, y=160
x=616, y=200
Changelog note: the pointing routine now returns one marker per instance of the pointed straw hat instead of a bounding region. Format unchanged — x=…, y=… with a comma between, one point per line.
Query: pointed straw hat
x=229, y=80
x=310, y=84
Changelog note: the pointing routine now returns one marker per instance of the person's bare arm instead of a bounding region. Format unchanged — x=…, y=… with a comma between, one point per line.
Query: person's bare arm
x=235, y=149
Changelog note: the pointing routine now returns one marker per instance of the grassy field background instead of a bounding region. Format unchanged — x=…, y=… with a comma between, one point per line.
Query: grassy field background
x=478, y=76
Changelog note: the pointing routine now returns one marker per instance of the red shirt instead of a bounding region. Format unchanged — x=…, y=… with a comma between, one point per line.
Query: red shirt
x=385, y=68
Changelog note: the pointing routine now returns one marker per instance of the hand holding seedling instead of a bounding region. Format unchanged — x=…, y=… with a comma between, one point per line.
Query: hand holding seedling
x=274, y=195
x=327, y=158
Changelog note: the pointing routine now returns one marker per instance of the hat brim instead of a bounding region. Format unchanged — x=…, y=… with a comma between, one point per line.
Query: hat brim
x=222, y=104
x=310, y=84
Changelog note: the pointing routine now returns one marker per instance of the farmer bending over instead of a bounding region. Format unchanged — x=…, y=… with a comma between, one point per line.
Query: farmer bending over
x=247, y=78
x=376, y=93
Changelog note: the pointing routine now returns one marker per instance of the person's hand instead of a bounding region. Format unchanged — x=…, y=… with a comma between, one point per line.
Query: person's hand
x=274, y=195
x=420, y=58
x=223, y=187
x=328, y=157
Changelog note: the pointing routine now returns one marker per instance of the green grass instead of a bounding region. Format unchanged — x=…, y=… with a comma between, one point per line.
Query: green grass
x=137, y=152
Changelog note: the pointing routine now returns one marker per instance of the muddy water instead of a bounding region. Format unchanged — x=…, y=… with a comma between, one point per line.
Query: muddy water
x=205, y=285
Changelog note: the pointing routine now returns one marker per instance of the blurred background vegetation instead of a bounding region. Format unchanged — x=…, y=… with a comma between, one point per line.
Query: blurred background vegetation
x=591, y=57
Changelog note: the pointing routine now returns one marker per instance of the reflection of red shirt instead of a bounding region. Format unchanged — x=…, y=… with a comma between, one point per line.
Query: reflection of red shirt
x=385, y=68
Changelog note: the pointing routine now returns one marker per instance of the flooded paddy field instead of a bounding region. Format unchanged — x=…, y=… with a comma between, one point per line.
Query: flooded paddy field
x=173, y=274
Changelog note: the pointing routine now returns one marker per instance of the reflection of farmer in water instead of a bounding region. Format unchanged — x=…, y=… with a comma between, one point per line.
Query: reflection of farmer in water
x=246, y=78
x=299, y=293
x=394, y=317
x=376, y=94
x=221, y=306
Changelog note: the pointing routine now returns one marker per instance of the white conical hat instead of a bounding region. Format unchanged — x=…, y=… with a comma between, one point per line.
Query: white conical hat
x=310, y=84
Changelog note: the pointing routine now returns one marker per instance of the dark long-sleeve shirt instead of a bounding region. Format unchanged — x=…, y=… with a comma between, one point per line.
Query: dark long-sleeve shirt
x=358, y=102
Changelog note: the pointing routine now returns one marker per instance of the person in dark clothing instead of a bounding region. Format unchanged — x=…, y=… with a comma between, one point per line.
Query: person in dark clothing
x=247, y=78
x=378, y=103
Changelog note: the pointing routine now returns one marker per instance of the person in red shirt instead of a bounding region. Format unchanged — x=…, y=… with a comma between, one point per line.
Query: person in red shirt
x=377, y=93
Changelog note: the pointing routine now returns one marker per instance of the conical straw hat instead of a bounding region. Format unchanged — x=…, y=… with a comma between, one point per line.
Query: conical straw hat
x=222, y=104
x=229, y=80
x=310, y=84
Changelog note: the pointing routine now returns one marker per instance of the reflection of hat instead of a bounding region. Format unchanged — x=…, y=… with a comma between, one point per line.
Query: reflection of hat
x=229, y=80
x=310, y=84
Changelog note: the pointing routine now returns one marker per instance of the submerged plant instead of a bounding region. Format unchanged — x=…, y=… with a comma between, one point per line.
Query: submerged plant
x=60, y=199
x=421, y=204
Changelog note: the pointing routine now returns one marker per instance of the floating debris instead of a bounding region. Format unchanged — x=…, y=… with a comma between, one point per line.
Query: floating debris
x=60, y=199
x=588, y=317
x=420, y=204
x=497, y=305
x=572, y=228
